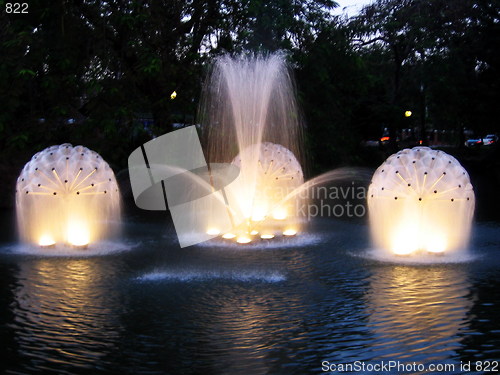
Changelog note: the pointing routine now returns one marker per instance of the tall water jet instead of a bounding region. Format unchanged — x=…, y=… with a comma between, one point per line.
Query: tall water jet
x=250, y=118
x=67, y=195
x=421, y=200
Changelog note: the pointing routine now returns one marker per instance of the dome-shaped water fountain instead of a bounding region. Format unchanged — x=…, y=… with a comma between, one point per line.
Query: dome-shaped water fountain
x=420, y=200
x=67, y=195
x=250, y=119
x=277, y=174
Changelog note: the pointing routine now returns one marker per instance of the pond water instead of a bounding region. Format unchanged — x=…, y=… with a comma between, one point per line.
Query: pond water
x=150, y=307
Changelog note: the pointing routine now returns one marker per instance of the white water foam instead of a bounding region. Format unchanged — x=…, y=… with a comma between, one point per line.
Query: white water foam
x=204, y=275
x=421, y=258
x=300, y=240
x=95, y=249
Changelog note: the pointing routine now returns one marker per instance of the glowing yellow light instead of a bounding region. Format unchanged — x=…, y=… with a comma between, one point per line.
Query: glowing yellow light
x=407, y=113
x=436, y=244
x=258, y=218
x=213, y=231
x=46, y=241
x=267, y=236
x=173, y=95
x=405, y=240
x=290, y=232
x=258, y=213
x=78, y=235
x=254, y=232
x=402, y=250
x=279, y=214
x=229, y=236
x=243, y=239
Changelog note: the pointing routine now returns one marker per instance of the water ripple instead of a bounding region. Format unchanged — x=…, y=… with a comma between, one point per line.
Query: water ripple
x=204, y=275
x=208, y=309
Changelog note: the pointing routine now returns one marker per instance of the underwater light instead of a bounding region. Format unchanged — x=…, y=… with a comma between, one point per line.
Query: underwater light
x=243, y=239
x=78, y=237
x=402, y=251
x=46, y=241
x=436, y=244
x=213, y=232
x=279, y=214
x=267, y=236
x=259, y=214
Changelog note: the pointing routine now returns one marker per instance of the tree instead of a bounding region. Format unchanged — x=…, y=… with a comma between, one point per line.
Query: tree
x=334, y=87
x=102, y=65
x=414, y=33
x=99, y=64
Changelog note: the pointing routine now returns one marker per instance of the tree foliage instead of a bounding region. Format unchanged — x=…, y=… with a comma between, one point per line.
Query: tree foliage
x=101, y=73
x=436, y=50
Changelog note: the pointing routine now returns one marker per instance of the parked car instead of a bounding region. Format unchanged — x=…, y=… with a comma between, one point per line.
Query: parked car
x=474, y=142
x=490, y=139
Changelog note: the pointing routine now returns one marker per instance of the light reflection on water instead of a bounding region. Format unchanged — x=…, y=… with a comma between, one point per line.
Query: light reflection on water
x=416, y=313
x=157, y=309
x=65, y=312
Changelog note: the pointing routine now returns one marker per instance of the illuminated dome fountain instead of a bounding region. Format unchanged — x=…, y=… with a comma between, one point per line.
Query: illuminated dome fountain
x=267, y=213
x=67, y=195
x=420, y=200
x=250, y=119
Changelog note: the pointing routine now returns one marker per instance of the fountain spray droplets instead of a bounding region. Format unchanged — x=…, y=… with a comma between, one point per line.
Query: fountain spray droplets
x=249, y=110
x=66, y=194
x=421, y=199
x=249, y=100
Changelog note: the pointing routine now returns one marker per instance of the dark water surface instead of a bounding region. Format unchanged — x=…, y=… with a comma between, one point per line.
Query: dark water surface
x=283, y=309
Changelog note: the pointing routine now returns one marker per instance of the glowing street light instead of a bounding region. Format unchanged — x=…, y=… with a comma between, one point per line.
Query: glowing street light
x=173, y=95
x=408, y=113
